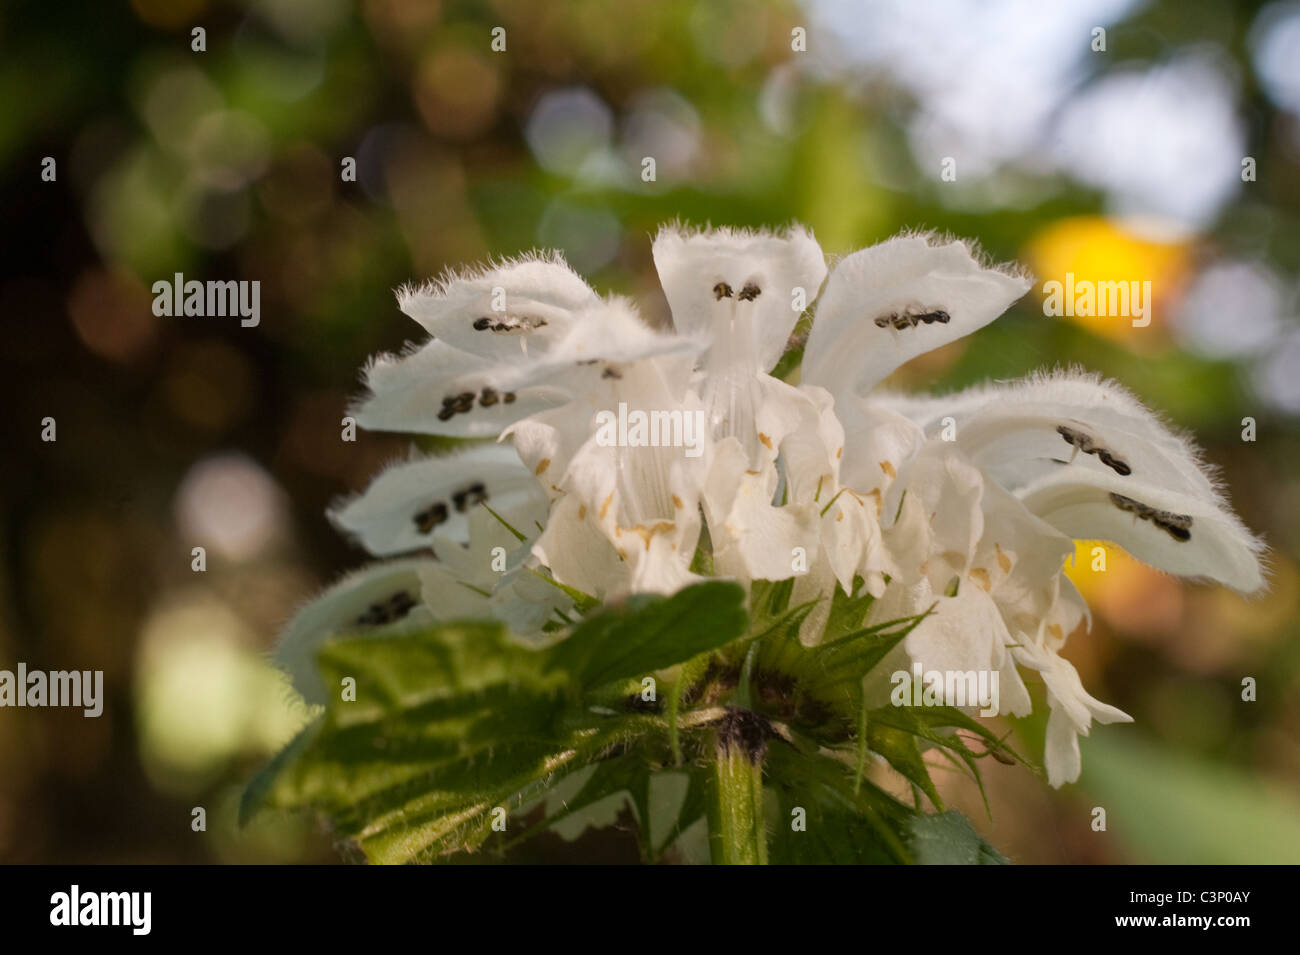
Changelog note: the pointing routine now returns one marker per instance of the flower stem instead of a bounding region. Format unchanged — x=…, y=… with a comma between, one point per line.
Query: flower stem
x=737, y=834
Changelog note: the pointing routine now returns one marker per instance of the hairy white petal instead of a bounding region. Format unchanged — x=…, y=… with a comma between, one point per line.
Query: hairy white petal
x=692, y=264
x=596, y=350
x=488, y=311
x=441, y=389
x=1066, y=441
x=930, y=412
x=359, y=605
x=1178, y=533
x=1020, y=431
x=938, y=293
x=411, y=393
x=413, y=500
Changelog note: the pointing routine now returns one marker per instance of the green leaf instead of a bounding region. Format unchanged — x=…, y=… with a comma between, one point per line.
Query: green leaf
x=446, y=727
x=937, y=726
x=832, y=833
x=648, y=633
x=453, y=727
x=769, y=599
x=846, y=659
x=948, y=838
x=904, y=754
x=843, y=823
x=847, y=612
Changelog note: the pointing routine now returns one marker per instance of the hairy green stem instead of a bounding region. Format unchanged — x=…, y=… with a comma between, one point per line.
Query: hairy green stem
x=737, y=834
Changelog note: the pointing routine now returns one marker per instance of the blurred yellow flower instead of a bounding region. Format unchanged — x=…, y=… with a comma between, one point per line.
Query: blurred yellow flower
x=1077, y=259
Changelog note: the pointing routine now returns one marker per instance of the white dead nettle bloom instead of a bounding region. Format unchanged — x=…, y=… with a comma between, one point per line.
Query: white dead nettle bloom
x=735, y=290
x=826, y=482
x=991, y=515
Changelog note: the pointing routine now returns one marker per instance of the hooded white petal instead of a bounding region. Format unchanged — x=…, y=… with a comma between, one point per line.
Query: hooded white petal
x=1089, y=459
x=1023, y=430
x=738, y=293
x=502, y=312
x=413, y=500
x=891, y=302
x=1184, y=535
x=438, y=389
x=595, y=350
x=725, y=283
x=378, y=600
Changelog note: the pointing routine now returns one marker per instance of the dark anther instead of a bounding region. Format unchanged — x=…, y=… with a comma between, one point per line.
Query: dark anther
x=468, y=497
x=488, y=397
x=431, y=517
x=1087, y=445
x=1116, y=464
x=508, y=397
x=1177, y=532
x=387, y=611
x=1177, y=526
x=721, y=290
x=749, y=292
x=911, y=317
x=482, y=324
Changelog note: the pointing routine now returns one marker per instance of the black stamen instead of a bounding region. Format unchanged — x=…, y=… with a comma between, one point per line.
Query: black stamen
x=431, y=517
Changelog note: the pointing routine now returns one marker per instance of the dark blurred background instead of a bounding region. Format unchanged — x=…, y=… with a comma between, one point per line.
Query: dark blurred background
x=1122, y=163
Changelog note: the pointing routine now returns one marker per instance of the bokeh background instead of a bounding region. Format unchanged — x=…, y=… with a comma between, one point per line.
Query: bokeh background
x=1125, y=163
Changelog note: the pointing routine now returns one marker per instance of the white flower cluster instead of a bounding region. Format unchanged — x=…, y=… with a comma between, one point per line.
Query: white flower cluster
x=968, y=503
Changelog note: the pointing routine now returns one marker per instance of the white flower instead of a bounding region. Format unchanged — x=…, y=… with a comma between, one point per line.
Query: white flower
x=737, y=291
x=966, y=504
